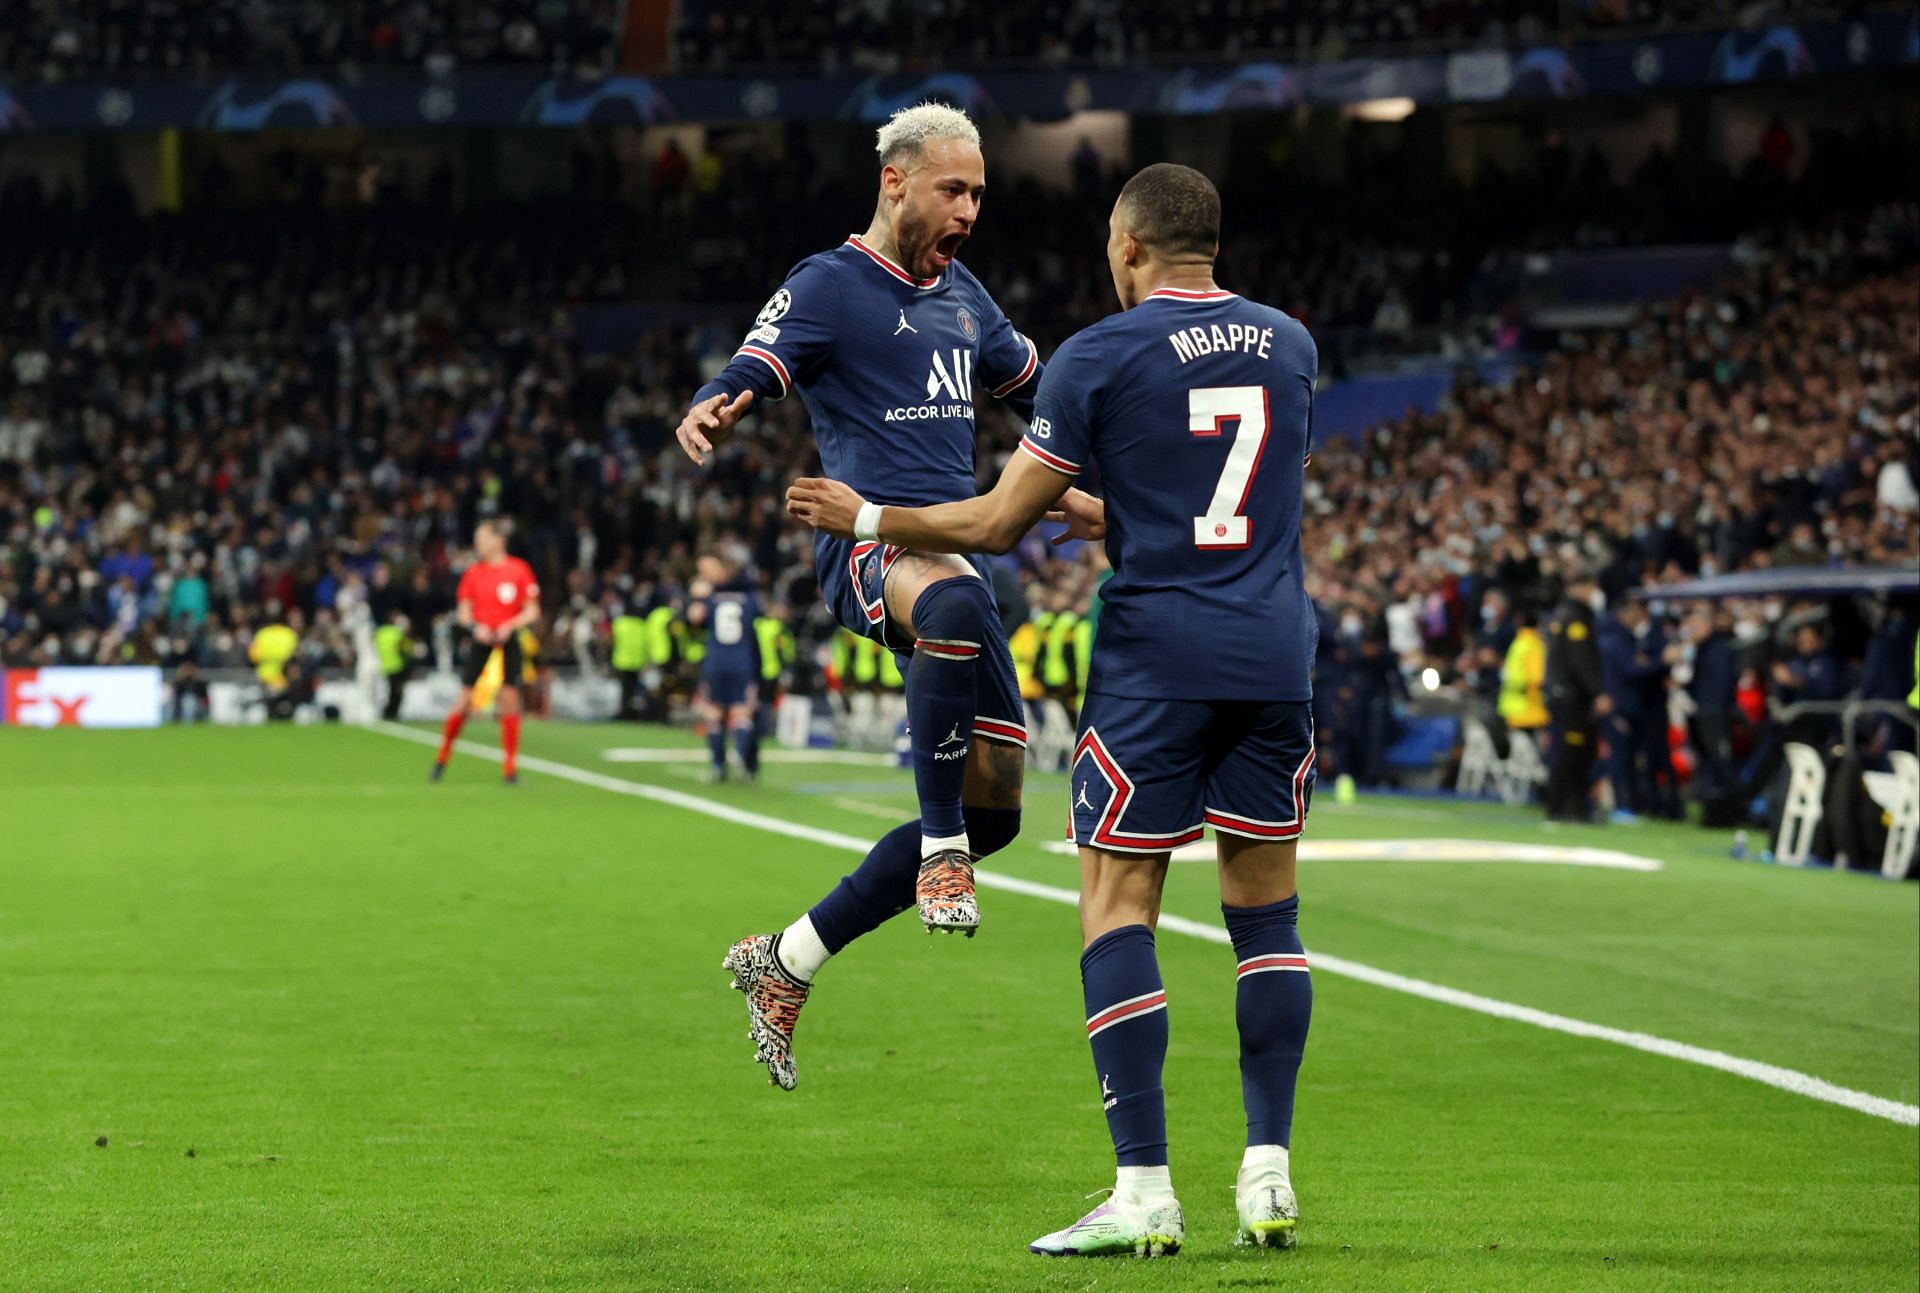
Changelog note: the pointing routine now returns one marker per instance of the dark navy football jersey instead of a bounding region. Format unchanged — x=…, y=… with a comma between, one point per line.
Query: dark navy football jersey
x=1197, y=407
x=888, y=366
x=732, y=645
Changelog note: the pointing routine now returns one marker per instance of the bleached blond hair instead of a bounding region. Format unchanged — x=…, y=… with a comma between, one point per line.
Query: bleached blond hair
x=908, y=132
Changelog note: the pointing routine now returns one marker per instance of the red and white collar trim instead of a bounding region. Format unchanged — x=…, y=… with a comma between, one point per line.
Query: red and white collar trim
x=1180, y=294
x=888, y=264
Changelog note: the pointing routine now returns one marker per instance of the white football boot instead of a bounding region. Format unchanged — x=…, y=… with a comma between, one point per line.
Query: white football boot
x=1263, y=1196
x=1118, y=1228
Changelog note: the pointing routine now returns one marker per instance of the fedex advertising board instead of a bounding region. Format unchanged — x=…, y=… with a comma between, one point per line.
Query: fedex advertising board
x=117, y=697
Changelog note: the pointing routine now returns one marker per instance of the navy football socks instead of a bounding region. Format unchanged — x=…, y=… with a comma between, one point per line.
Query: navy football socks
x=877, y=890
x=1273, y=1005
x=1127, y=1026
x=951, y=620
x=747, y=741
x=717, y=747
x=949, y=623
x=882, y=886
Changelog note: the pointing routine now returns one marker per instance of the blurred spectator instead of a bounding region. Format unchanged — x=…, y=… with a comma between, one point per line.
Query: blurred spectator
x=1480, y=667
x=1634, y=666
x=274, y=647
x=889, y=36
x=396, y=651
x=189, y=695
x=296, y=690
x=1712, y=686
x=1370, y=683
x=1576, y=700
x=61, y=40
x=1523, y=677
x=1810, y=674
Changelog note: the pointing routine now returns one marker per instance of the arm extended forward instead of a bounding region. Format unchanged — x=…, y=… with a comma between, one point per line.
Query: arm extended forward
x=993, y=522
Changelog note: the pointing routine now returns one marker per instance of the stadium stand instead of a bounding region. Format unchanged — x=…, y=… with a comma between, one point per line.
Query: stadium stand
x=892, y=36
x=60, y=40
x=288, y=406
x=56, y=41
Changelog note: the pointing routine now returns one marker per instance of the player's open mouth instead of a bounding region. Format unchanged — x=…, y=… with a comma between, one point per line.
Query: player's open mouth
x=946, y=249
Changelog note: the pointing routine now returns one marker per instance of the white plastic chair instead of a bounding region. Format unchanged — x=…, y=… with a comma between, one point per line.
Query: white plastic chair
x=1805, y=805
x=1523, y=769
x=889, y=713
x=793, y=721
x=1479, y=760
x=862, y=710
x=1049, y=736
x=1899, y=793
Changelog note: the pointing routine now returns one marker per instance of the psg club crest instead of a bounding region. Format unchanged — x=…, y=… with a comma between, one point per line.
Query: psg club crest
x=966, y=323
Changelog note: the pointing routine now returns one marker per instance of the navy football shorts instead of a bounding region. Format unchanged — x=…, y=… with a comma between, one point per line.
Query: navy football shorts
x=852, y=581
x=1149, y=775
x=728, y=687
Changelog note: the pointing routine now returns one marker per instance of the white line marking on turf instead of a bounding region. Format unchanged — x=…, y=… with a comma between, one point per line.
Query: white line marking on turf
x=866, y=809
x=645, y=754
x=1372, y=807
x=202, y=791
x=1428, y=851
x=1804, y=1084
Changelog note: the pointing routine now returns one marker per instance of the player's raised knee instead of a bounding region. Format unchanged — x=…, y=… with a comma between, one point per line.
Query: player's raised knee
x=953, y=617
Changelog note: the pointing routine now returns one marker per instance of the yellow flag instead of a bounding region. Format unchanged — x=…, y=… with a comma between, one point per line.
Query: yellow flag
x=487, y=686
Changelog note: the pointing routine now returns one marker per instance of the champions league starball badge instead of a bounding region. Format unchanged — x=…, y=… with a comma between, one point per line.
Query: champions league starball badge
x=776, y=307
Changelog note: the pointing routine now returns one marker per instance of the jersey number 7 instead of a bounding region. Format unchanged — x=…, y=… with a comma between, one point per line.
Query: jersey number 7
x=1209, y=409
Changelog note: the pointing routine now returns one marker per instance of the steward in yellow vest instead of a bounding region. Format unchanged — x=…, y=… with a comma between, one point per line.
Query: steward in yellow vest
x=1059, y=663
x=1523, y=681
x=776, y=653
x=629, y=657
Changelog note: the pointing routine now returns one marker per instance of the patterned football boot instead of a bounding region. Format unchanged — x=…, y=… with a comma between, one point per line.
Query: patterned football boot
x=945, y=893
x=774, y=998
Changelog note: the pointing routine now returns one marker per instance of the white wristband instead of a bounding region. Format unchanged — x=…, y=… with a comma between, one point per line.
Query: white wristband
x=866, y=524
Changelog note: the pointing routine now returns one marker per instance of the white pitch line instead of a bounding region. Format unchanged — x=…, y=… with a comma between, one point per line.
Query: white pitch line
x=654, y=754
x=1791, y=1080
x=866, y=809
x=1425, y=850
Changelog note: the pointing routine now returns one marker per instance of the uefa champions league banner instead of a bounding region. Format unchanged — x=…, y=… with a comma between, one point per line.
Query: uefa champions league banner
x=1734, y=57
x=127, y=696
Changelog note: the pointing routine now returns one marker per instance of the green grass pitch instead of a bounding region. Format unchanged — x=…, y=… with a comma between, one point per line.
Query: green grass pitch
x=275, y=1013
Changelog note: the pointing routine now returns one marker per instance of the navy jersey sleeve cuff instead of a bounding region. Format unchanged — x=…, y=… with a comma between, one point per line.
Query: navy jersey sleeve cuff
x=753, y=368
x=1052, y=460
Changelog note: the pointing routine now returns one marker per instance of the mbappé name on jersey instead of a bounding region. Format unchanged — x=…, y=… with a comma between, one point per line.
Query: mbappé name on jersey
x=1197, y=409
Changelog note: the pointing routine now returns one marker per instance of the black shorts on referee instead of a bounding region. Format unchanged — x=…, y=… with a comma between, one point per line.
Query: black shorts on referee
x=475, y=662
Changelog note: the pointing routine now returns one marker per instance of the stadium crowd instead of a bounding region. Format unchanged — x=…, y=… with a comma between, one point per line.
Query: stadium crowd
x=250, y=419
x=65, y=40
x=894, y=36
x=1773, y=422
